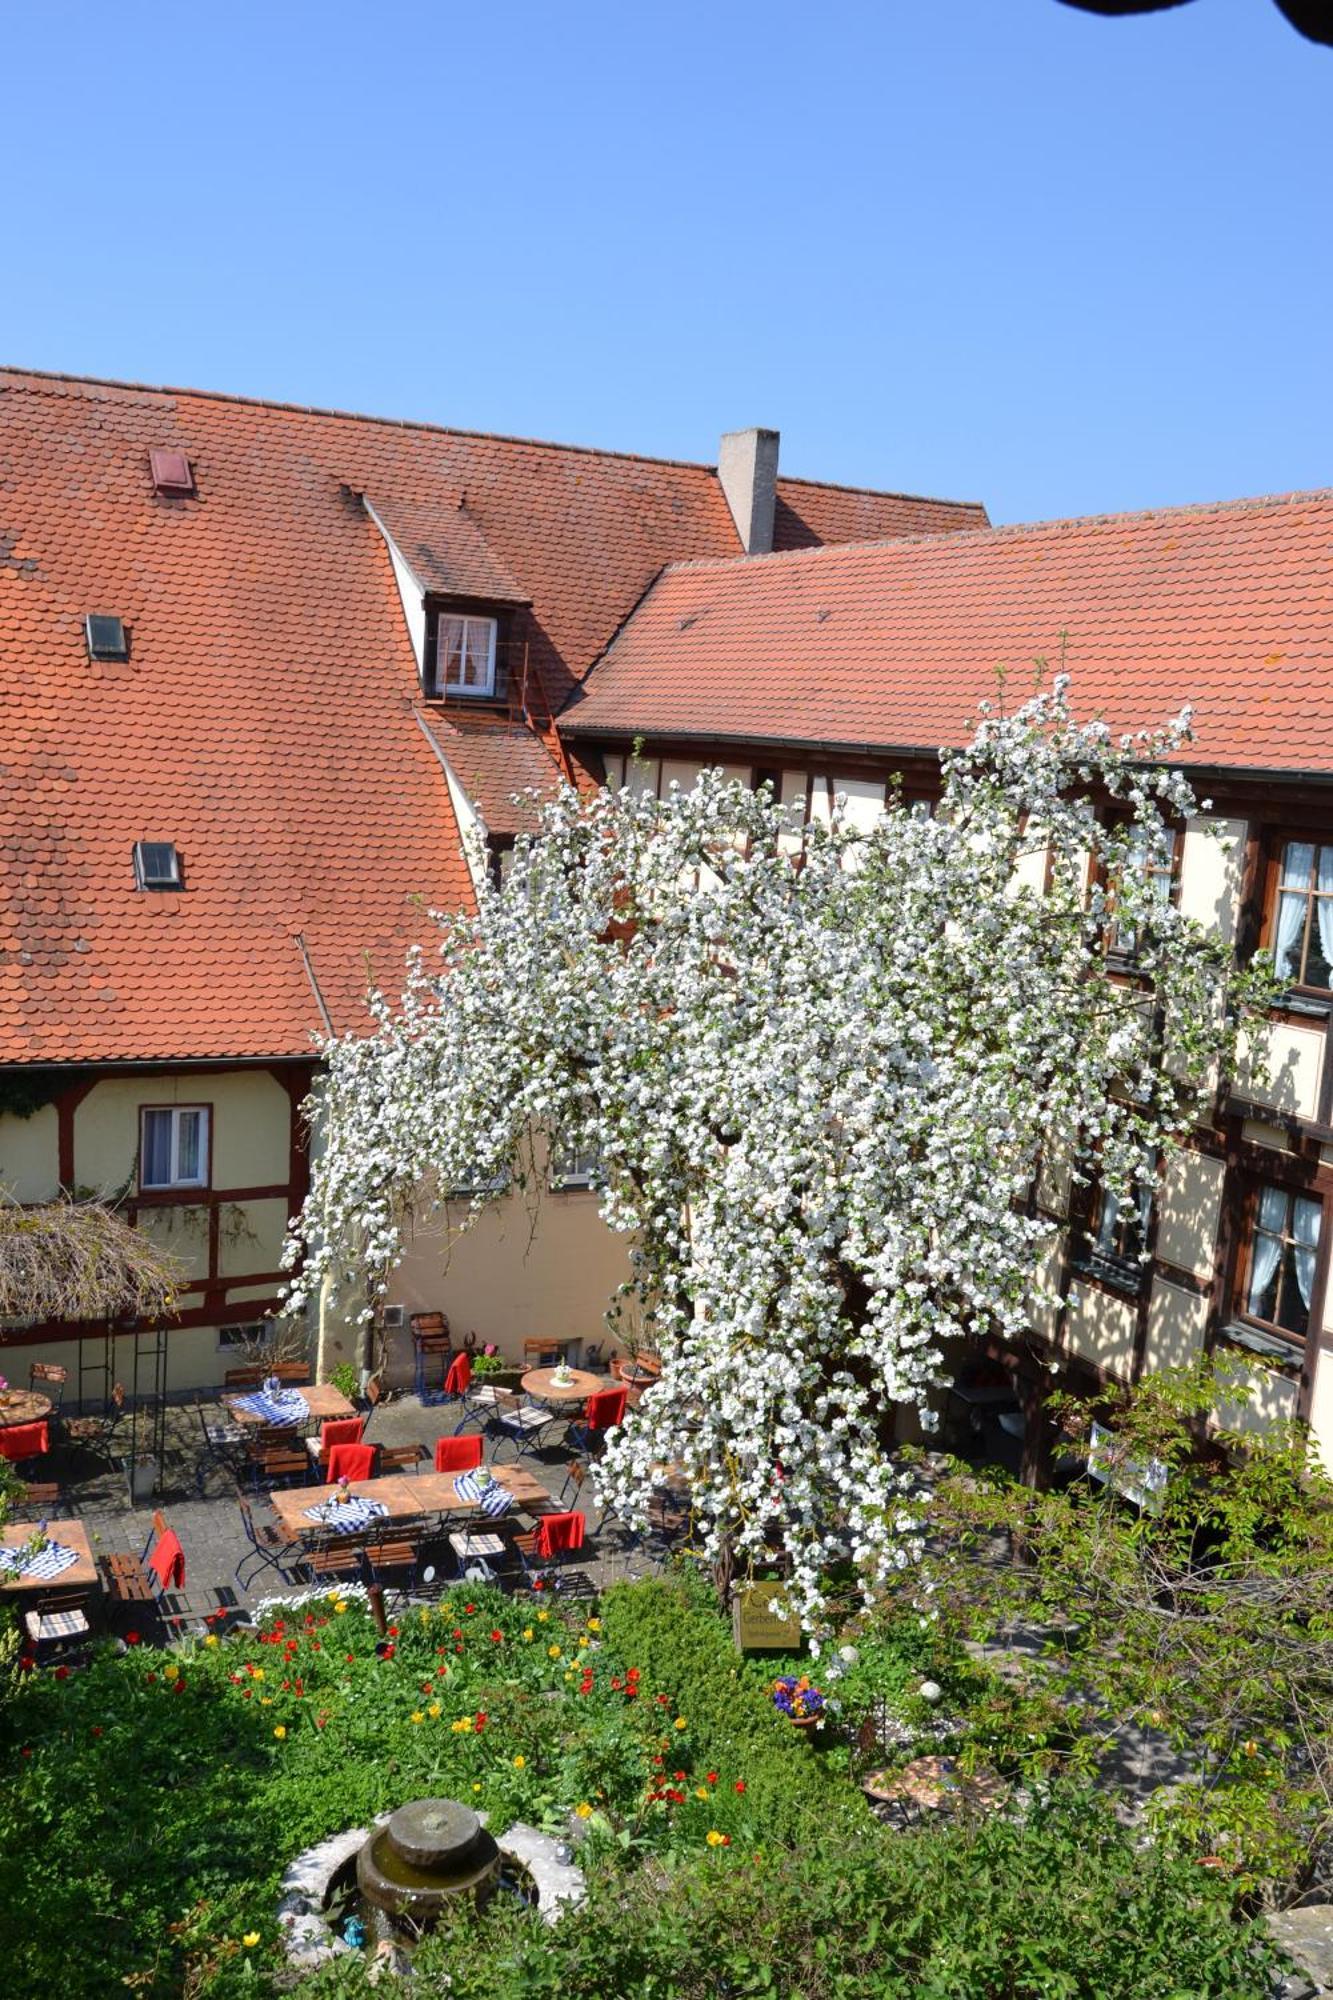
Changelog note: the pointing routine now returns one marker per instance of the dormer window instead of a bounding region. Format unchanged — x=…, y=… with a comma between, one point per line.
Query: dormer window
x=157, y=864
x=465, y=649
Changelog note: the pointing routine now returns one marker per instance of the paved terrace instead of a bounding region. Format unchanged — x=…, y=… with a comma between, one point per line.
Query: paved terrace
x=94, y=1491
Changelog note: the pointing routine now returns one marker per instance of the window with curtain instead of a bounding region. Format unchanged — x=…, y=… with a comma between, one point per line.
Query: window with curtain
x=465, y=655
x=173, y=1146
x=1284, y=1242
x=1154, y=866
x=1303, y=925
x=1117, y=1231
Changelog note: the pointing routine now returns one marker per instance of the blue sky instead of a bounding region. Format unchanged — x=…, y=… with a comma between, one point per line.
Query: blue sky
x=991, y=249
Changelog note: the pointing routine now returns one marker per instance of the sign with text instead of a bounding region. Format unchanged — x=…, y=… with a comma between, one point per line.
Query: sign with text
x=755, y=1624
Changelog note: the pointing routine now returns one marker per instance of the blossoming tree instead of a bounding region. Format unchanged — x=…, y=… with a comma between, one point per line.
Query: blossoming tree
x=821, y=1068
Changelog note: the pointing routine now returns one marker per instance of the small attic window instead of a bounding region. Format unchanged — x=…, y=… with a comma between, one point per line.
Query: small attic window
x=107, y=637
x=171, y=472
x=157, y=865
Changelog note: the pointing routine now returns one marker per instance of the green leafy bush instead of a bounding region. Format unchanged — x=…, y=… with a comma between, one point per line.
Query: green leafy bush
x=1064, y=1907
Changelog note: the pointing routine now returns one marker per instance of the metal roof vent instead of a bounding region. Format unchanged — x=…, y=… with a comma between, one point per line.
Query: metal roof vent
x=107, y=637
x=171, y=472
x=157, y=865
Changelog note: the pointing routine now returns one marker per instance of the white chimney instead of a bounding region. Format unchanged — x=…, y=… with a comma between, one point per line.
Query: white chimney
x=747, y=465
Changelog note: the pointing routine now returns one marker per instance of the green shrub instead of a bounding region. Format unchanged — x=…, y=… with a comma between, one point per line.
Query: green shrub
x=679, y=1643
x=1063, y=1907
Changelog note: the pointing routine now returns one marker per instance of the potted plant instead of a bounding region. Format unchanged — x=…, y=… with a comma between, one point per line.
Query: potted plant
x=796, y=1697
x=490, y=1366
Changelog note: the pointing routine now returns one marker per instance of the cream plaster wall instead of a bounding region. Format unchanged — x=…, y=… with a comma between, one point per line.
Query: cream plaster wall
x=249, y=1126
x=250, y=1146
x=1101, y=1328
x=1321, y=1402
x=1211, y=864
x=1272, y=1401
x=1177, y=1322
x=1295, y=1065
x=509, y=1277
x=1189, y=1211
x=28, y=1156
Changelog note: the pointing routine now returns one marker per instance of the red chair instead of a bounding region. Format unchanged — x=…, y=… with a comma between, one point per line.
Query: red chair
x=19, y=1441
x=167, y=1561
x=602, y=1412
x=458, y=1389
x=555, y=1537
x=337, y=1430
x=458, y=1454
x=351, y=1461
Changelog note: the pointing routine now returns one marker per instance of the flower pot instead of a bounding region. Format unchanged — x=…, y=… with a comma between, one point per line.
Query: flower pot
x=499, y=1378
x=141, y=1478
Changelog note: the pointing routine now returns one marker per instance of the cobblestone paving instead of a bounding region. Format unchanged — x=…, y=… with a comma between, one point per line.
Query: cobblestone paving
x=198, y=1499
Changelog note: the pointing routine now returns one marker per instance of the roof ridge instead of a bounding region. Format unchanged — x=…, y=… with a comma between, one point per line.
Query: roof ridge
x=874, y=492
x=447, y=430
x=1005, y=530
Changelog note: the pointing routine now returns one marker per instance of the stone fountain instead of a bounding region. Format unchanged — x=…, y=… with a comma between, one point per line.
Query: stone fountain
x=426, y=1854
x=393, y=1880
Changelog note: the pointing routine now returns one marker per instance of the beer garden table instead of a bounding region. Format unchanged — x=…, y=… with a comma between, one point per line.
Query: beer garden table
x=322, y=1401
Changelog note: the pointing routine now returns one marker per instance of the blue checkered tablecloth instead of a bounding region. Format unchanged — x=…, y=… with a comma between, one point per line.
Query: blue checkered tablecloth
x=286, y=1409
x=492, y=1498
x=51, y=1560
x=345, y=1515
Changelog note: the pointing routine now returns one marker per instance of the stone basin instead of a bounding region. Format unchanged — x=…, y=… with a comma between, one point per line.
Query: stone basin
x=427, y=1853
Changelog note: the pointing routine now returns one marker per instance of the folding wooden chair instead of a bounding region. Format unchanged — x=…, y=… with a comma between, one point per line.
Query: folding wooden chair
x=57, y=1622
x=351, y=1462
x=459, y=1454
x=432, y=1345
x=50, y=1377
x=335, y=1430
x=277, y=1458
x=334, y=1555
x=268, y=1548
x=400, y=1457
x=555, y=1538
x=95, y=1434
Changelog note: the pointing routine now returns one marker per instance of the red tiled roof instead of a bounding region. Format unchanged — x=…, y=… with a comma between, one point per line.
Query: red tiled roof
x=493, y=759
x=1228, y=607
x=265, y=719
x=446, y=550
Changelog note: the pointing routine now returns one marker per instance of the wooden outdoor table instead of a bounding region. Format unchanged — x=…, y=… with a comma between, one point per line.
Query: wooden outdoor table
x=394, y=1495
x=80, y=1575
x=322, y=1402
x=439, y=1497
x=428, y=1493
x=23, y=1406
x=541, y=1385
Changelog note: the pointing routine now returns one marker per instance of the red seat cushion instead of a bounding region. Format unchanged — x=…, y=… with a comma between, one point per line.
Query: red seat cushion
x=24, y=1441
x=462, y=1454
x=167, y=1561
x=339, y=1430
x=459, y=1379
x=351, y=1461
x=605, y=1409
x=559, y=1532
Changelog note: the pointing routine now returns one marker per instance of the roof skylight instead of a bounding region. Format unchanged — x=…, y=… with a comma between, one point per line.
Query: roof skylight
x=157, y=864
x=107, y=637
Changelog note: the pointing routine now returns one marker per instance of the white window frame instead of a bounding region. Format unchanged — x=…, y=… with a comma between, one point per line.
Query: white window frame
x=176, y=1113
x=576, y=1167
x=468, y=620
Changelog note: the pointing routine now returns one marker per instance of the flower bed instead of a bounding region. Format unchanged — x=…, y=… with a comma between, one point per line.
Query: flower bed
x=150, y=1804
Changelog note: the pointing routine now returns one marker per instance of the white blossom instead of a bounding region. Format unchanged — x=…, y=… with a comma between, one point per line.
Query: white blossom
x=821, y=1095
